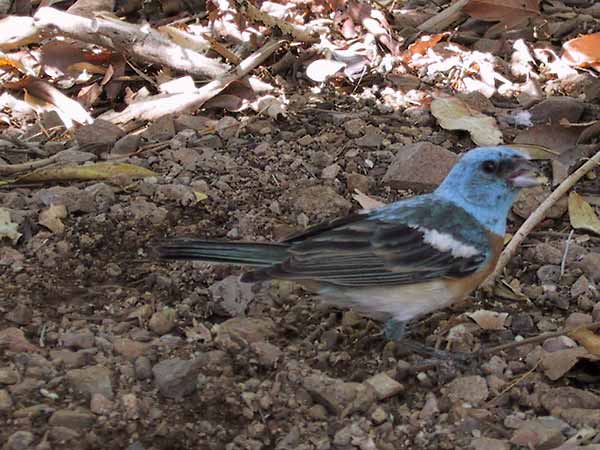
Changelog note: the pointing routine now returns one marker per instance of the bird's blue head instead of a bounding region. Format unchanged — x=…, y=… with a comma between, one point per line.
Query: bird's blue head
x=486, y=181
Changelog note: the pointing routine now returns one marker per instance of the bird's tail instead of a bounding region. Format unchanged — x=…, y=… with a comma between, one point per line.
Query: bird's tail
x=220, y=252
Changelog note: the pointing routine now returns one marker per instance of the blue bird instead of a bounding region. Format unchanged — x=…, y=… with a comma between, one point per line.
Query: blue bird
x=402, y=260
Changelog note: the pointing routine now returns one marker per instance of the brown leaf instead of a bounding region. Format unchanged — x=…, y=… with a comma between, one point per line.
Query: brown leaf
x=582, y=215
x=587, y=338
x=583, y=51
x=489, y=320
x=502, y=10
x=421, y=46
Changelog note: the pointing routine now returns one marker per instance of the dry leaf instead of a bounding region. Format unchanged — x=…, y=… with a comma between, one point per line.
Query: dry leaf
x=321, y=69
x=8, y=229
x=583, y=51
x=582, y=215
x=556, y=364
x=51, y=218
x=99, y=171
x=536, y=151
x=489, y=320
x=454, y=114
x=502, y=11
x=365, y=201
x=587, y=338
x=421, y=46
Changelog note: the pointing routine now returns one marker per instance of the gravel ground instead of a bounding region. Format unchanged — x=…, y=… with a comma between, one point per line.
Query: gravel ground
x=102, y=346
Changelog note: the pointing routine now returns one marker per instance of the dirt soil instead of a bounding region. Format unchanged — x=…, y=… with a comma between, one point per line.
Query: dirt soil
x=102, y=346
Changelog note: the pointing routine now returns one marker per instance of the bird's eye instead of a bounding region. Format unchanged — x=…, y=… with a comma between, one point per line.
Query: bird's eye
x=489, y=166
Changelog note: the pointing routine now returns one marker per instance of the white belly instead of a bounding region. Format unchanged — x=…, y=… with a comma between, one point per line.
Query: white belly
x=399, y=302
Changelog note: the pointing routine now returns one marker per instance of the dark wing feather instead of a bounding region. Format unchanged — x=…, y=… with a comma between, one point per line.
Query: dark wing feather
x=363, y=252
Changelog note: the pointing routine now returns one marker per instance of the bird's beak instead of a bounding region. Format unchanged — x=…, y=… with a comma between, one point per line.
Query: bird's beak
x=525, y=175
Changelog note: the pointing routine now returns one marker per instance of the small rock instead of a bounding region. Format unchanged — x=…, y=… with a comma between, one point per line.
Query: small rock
x=522, y=323
x=543, y=433
x=161, y=130
x=8, y=375
x=128, y=348
x=548, y=273
x=495, y=366
x=143, y=368
x=232, y=295
x=339, y=396
x=69, y=358
x=529, y=200
x=227, y=127
x=590, y=264
x=163, y=321
x=81, y=339
x=379, y=416
x=14, y=340
x=569, y=397
x=472, y=389
x=91, y=380
x=99, y=136
x=267, y=354
x=421, y=166
x=581, y=287
x=19, y=440
x=356, y=181
x=76, y=420
x=576, y=319
x=127, y=145
x=250, y=329
x=547, y=254
x=372, y=137
x=484, y=443
x=183, y=195
x=63, y=434
x=100, y=405
x=331, y=172
x=320, y=202
x=430, y=409
x=306, y=140
x=558, y=343
x=354, y=128
x=384, y=386
x=21, y=314
x=553, y=109
x=176, y=377
x=32, y=412
x=6, y=403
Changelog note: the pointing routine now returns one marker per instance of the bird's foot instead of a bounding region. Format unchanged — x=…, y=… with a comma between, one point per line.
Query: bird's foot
x=396, y=330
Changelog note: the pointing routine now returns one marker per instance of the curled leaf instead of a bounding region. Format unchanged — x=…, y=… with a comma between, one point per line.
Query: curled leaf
x=582, y=215
x=99, y=171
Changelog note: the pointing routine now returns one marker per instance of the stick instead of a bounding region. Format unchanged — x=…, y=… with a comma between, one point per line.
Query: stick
x=156, y=106
x=142, y=43
x=538, y=215
x=539, y=338
x=444, y=19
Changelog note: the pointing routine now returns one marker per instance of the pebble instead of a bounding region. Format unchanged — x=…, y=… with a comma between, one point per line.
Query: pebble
x=471, y=389
x=176, y=378
x=19, y=440
x=91, y=380
x=163, y=321
x=384, y=385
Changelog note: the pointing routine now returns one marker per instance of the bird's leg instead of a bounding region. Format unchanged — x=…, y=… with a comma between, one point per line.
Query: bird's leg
x=397, y=330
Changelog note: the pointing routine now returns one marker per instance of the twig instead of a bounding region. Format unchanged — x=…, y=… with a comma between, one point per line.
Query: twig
x=156, y=106
x=444, y=19
x=514, y=383
x=539, y=338
x=9, y=169
x=143, y=43
x=563, y=262
x=538, y=215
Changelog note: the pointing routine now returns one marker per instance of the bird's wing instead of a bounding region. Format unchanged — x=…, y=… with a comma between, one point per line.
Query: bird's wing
x=381, y=249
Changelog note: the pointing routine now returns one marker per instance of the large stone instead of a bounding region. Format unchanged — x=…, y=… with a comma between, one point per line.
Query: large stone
x=554, y=109
x=471, y=389
x=320, y=202
x=420, y=167
x=176, y=377
x=339, y=396
x=76, y=420
x=91, y=380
